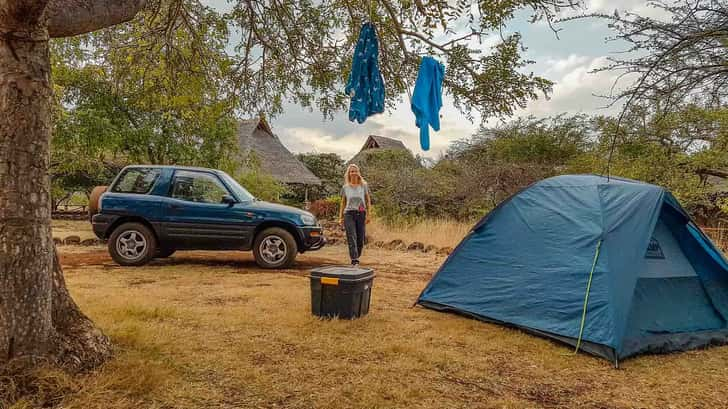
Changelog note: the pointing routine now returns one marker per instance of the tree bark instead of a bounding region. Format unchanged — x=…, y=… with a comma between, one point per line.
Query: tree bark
x=38, y=318
x=26, y=247
x=73, y=17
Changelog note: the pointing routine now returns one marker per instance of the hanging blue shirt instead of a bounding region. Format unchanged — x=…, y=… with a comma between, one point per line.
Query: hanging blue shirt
x=365, y=84
x=427, y=98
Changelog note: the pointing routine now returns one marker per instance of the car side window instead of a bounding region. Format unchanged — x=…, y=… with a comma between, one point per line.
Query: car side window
x=136, y=180
x=197, y=187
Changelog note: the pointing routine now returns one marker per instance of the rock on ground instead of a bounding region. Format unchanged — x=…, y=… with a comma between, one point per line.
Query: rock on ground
x=416, y=246
x=72, y=240
x=445, y=251
x=430, y=248
x=395, y=245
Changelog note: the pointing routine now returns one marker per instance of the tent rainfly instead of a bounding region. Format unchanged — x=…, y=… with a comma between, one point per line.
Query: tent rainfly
x=256, y=135
x=613, y=267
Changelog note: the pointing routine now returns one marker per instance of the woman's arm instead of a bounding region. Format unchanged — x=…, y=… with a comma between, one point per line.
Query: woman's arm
x=369, y=204
x=342, y=205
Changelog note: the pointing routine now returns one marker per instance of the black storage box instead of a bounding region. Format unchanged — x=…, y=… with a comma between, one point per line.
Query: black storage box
x=342, y=292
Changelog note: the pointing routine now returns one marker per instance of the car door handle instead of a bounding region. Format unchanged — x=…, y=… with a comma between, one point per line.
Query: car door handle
x=175, y=206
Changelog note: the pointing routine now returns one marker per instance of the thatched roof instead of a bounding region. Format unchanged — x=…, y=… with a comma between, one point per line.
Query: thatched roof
x=377, y=142
x=275, y=159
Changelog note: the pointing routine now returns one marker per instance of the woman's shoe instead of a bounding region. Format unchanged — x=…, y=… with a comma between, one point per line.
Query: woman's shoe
x=354, y=262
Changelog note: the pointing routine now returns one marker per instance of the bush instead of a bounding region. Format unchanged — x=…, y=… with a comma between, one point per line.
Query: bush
x=327, y=209
x=260, y=184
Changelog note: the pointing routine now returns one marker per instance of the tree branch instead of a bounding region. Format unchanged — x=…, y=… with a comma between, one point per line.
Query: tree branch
x=21, y=13
x=713, y=172
x=68, y=18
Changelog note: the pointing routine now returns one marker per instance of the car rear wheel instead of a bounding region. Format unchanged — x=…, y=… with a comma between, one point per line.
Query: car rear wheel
x=132, y=244
x=275, y=248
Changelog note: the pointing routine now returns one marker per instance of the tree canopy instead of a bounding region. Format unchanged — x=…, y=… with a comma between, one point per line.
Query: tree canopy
x=169, y=86
x=263, y=53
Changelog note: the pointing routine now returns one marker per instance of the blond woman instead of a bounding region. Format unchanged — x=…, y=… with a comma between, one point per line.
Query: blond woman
x=354, y=211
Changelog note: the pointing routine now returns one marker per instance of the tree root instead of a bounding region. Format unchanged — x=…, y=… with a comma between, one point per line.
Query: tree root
x=78, y=345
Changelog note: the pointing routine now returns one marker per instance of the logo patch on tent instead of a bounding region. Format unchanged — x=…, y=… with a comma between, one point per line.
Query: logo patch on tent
x=654, y=250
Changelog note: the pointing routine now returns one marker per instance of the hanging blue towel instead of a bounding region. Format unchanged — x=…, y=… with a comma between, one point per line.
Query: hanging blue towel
x=365, y=84
x=427, y=98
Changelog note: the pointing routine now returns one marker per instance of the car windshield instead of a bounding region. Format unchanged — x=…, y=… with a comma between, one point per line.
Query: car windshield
x=239, y=191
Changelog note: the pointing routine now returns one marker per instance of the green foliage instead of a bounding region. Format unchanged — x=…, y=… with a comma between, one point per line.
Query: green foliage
x=167, y=87
x=404, y=190
x=257, y=182
x=329, y=167
x=123, y=98
x=499, y=161
x=301, y=51
x=678, y=150
x=682, y=151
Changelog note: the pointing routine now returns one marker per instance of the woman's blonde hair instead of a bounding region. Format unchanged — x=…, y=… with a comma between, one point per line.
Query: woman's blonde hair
x=347, y=179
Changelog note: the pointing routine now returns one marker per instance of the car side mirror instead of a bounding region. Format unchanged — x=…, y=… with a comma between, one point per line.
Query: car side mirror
x=228, y=200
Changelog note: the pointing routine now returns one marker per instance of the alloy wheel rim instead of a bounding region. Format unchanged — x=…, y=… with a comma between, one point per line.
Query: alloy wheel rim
x=273, y=249
x=131, y=245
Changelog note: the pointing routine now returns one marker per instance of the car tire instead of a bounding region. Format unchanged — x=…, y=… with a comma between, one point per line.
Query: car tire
x=164, y=252
x=275, y=248
x=132, y=244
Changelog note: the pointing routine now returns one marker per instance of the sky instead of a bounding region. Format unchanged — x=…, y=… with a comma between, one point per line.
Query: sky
x=568, y=60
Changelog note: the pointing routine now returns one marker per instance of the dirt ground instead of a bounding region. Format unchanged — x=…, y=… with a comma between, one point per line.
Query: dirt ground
x=211, y=330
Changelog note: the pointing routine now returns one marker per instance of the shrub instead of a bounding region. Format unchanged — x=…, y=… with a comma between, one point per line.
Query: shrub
x=326, y=209
x=260, y=184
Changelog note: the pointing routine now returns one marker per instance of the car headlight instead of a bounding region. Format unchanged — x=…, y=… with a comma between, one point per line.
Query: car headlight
x=308, y=220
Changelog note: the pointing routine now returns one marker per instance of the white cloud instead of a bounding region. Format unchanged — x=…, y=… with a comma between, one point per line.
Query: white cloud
x=317, y=140
x=558, y=66
x=578, y=89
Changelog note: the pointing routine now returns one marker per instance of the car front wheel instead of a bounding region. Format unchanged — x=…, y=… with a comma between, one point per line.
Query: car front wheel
x=275, y=248
x=132, y=244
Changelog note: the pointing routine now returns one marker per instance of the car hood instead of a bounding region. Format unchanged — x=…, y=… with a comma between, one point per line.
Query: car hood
x=273, y=207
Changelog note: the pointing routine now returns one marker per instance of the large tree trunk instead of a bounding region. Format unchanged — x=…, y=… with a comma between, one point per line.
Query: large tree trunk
x=26, y=249
x=38, y=318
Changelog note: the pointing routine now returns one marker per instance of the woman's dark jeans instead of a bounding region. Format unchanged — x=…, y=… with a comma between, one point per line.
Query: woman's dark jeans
x=354, y=223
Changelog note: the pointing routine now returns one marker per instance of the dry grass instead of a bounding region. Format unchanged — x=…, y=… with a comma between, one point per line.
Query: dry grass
x=211, y=330
x=65, y=228
x=439, y=232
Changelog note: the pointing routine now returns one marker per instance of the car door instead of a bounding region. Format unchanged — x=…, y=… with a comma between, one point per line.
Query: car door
x=197, y=218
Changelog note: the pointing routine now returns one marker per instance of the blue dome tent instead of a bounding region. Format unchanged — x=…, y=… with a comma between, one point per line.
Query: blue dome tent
x=614, y=267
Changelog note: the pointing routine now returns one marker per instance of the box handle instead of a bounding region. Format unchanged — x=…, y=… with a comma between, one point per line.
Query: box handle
x=330, y=280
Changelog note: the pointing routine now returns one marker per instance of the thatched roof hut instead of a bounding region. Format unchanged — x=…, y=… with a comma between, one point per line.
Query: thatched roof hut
x=377, y=142
x=256, y=135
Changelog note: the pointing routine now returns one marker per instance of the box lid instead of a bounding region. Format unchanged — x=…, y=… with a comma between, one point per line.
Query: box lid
x=342, y=272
